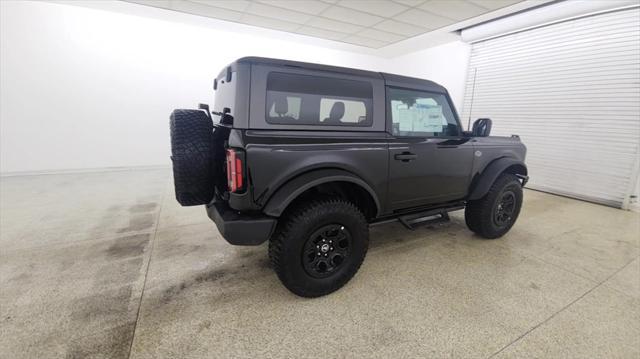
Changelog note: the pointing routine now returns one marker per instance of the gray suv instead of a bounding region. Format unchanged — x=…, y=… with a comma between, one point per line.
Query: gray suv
x=308, y=156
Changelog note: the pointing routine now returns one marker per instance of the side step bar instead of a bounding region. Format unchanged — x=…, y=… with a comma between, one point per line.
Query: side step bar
x=434, y=216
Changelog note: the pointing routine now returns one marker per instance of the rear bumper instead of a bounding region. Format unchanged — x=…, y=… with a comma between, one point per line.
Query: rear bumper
x=239, y=229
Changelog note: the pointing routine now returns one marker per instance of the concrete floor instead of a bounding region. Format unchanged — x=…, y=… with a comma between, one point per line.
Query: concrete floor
x=109, y=265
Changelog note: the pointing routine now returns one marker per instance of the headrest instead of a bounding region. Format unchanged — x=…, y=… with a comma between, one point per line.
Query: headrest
x=281, y=106
x=337, y=111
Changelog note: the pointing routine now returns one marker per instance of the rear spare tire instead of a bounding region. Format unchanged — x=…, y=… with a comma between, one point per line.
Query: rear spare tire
x=191, y=154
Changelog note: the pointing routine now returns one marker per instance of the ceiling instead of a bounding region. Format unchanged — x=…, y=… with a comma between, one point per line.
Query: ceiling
x=369, y=23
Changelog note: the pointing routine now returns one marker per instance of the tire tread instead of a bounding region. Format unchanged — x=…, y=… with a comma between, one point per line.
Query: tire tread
x=478, y=214
x=300, y=216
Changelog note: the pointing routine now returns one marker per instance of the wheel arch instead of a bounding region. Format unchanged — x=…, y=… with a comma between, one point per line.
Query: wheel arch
x=483, y=181
x=330, y=181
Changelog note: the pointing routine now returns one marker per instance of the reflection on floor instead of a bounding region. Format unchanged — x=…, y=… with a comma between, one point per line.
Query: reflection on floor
x=109, y=265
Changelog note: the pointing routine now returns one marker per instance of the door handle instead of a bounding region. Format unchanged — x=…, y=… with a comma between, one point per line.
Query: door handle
x=405, y=156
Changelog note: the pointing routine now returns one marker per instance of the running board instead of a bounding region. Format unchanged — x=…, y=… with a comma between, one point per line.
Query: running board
x=441, y=215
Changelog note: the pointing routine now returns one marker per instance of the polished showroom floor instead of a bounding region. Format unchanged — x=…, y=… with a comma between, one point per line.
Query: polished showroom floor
x=109, y=265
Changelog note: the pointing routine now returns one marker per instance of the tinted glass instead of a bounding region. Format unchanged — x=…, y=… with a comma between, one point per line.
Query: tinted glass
x=313, y=100
x=419, y=113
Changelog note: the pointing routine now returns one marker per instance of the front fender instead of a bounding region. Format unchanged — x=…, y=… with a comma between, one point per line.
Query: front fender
x=485, y=179
x=295, y=187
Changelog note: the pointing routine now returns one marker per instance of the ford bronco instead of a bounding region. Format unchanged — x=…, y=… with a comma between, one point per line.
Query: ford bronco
x=308, y=156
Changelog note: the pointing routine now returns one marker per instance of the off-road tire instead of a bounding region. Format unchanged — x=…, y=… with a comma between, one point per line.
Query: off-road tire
x=191, y=154
x=479, y=214
x=297, y=227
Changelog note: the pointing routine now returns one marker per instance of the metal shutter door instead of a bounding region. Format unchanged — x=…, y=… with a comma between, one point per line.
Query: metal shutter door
x=571, y=90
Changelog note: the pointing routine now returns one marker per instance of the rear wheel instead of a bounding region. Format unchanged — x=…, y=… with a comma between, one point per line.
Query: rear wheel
x=319, y=246
x=493, y=215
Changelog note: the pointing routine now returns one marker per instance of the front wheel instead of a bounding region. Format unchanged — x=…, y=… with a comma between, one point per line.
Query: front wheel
x=319, y=246
x=494, y=214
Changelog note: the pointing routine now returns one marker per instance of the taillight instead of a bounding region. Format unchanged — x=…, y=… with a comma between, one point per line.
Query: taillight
x=235, y=179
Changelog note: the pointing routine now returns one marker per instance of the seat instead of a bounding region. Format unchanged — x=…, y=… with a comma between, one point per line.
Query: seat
x=335, y=115
x=281, y=106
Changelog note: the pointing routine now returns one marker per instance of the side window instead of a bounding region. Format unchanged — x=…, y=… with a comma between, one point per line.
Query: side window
x=313, y=100
x=420, y=113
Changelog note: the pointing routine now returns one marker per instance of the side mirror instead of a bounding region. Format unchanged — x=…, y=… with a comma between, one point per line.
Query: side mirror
x=481, y=127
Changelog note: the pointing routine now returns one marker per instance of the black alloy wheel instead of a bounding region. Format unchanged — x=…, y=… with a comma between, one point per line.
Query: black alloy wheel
x=493, y=215
x=319, y=245
x=505, y=207
x=326, y=250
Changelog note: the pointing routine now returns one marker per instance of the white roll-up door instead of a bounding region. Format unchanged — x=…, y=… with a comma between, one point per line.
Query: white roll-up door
x=571, y=90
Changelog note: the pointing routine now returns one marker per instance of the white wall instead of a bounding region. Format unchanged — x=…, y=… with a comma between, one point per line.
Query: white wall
x=445, y=64
x=85, y=88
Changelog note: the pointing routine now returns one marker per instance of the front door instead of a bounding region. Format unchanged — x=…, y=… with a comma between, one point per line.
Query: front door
x=429, y=160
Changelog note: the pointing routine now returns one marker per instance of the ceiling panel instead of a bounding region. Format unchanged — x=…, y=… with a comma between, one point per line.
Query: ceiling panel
x=236, y=5
x=409, y=2
x=325, y=34
x=400, y=28
x=351, y=16
x=493, y=4
x=454, y=9
x=312, y=7
x=269, y=23
x=384, y=8
x=333, y=25
x=369, y=23
x=423, y=19
x=278, y=13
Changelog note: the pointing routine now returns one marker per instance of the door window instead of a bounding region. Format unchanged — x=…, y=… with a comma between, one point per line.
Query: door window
x=420, y=113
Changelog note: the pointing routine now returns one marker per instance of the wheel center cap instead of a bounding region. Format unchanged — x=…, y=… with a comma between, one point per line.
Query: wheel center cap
x=324, y=248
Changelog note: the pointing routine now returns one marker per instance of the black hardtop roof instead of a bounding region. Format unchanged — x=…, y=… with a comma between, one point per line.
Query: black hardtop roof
x=391, y=79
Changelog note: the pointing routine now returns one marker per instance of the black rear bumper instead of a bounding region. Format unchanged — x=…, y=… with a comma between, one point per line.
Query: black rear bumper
x=241, y=229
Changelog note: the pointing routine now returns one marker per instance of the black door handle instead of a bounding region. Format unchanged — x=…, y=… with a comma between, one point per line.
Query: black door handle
x=405, y=156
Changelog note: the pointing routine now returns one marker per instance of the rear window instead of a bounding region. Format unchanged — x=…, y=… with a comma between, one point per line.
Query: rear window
x=314, y=100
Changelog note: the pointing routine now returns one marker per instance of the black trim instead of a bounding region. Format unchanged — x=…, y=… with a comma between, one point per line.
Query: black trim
x=422, y=211
x=239, y=229
x=491, y=173
x=389, y=78
x=289, y=191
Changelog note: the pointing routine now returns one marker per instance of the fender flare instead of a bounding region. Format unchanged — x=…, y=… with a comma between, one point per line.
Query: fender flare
x=288, y=192
x=491, y=173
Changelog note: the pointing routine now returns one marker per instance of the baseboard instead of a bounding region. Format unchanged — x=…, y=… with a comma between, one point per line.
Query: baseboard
x=82, y=170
